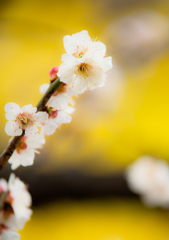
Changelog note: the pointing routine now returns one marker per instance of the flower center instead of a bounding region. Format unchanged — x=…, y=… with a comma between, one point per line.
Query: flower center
x=24, y=119
x=51, y=112
x=78, y=53
x=84, y=69
x=22, y=145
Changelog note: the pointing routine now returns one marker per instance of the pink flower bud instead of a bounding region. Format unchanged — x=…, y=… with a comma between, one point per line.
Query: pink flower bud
x=53, y=73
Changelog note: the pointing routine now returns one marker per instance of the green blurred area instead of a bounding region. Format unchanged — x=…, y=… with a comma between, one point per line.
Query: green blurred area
x=109, y=129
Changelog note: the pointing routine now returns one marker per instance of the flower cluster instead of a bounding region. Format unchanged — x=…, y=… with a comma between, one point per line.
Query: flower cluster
x=84, y=68
x=15, y=201
x=150, y=178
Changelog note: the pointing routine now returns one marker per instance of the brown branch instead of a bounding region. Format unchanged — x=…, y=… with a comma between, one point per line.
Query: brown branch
x=14, y=142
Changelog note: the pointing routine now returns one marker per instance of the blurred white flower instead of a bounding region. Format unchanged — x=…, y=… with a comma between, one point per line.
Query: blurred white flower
x=6, y=234
x=15, y=203
x=25, y=152
x=84, y=66
x=23, y=119
x=150, y=178
x=150, y=30
x=56, y=119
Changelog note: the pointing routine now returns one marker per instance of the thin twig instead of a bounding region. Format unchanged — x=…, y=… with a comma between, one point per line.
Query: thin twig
x=14, y=142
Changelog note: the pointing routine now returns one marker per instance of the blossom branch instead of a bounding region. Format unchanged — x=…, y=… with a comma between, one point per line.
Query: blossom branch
x=17, y=139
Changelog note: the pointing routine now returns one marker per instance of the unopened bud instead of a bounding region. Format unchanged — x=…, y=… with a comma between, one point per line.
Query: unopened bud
x=53, y=73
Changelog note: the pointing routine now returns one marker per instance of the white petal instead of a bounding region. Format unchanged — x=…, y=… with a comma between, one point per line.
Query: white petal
x=10, y=235
x=59, y=102
x=29, y=108
x=35, y=142
x=10, y=116
x=79, y=84
x=96, y=49
x=43, y=88
x=32, y=131
x=12, y=107
x=66, y=57
x=68, y=44
x=27, y=157
x=40, y=118
x=69, y=110
x=12, y=129
x=107, y=64
x=63, y=117
x=50, y=128
x=15, y=160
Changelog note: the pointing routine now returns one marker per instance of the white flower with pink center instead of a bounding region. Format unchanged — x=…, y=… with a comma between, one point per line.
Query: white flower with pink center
x=56, y=119
x=25, y=118
x=84, y=66
x=25, y=152
x=80, y=45
x=16, y=199
x=61, y=97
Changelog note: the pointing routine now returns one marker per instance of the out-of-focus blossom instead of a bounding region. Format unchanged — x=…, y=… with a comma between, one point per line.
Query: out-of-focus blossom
x=15, y=203
x=149, y=177
x=84, y=66
x=146, y=35
x=6, y=234
x=56, y=119
x=24, y=118
x=25, y=152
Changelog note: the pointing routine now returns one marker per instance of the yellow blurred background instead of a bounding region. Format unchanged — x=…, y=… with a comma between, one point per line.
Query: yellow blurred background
x=112, y=126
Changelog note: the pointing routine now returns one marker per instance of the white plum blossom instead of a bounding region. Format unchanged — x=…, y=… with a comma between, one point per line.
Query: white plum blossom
x=16, y=202
x=80, y=45
x=150, y=178
x=84, y=66
x=56, y=119
x=6, y=234
x=25, y=152
x=61, y=97
x=24, y=118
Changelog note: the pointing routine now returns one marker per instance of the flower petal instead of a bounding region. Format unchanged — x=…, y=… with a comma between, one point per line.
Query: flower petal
x=12, y=129
x=40, y=118
x=63, y=117
x=15, y=160
x=32, y=131
x=59, y=102
x=12, y=107
x=107, y=64
x=10, y=116
x=27, y=157
x=29, y=109
x=43, y=88
x=50, y=128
